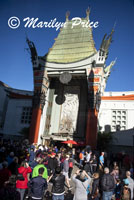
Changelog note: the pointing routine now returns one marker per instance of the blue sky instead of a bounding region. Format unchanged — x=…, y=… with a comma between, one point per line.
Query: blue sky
x=16, y=66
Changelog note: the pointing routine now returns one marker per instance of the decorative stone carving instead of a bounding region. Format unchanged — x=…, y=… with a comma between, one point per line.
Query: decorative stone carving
x=69, y=110
x=65, y=78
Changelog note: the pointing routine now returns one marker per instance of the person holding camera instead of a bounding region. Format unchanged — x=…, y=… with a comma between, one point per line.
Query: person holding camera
x=82, y=181
x=22, y=181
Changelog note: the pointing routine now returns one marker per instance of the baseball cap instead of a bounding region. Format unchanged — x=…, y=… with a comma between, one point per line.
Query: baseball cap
x=53, y=154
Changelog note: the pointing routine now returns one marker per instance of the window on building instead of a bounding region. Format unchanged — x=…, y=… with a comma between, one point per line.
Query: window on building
x=26, y=115
x=119, y=118
x=123, y=127
x=114, y=122
x=118, y=112
x=124, y=118
x=123, y=112
x=113, y=128
x=124, y=123
x=119, y=122
x=118, y=127
x=114, y=118
x=114, y=112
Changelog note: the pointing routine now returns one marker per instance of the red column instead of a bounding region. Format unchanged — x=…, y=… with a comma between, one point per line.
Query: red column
x=91, y=130
x=35, y=125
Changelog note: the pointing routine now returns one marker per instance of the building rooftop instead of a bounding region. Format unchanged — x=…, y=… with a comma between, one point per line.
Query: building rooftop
x=72, y=44
x=124, y=138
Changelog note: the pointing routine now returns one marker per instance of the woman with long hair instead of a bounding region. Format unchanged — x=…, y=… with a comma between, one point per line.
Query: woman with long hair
x=95, y=187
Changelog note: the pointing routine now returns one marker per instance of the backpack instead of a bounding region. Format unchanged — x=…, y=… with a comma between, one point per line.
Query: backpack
x=71, y=164
x=80, y=156
x=20, y=177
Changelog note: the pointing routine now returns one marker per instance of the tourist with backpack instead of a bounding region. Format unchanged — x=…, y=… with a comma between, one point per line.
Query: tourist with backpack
x=22, y=179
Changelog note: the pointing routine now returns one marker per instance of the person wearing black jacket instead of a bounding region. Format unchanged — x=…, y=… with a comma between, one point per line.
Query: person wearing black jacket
x=13, y=167
x=52, y=164
x=37, y=186
x=58, y=188
x=107, y=185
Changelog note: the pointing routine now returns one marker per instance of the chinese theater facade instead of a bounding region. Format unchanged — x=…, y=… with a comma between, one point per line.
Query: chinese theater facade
x=68, y=84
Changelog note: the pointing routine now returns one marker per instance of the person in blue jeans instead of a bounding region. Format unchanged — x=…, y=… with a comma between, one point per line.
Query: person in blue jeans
x=107, y=185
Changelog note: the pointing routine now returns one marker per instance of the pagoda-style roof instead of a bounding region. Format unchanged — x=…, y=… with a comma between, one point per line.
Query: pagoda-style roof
x=72, y=44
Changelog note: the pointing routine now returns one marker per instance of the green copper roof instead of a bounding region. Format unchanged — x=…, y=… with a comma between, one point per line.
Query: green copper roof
x=72, y=44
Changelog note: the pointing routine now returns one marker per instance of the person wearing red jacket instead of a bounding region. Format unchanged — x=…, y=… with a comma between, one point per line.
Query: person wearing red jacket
x=22, y=185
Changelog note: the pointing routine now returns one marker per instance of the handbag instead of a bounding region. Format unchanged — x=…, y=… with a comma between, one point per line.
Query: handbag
x=96, y=194
x=20, y=177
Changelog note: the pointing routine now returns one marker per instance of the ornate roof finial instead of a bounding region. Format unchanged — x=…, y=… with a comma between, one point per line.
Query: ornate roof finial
x=112, y=31
x=114, y=25
x=67, y=15
x=88, y=12
x=107, y=40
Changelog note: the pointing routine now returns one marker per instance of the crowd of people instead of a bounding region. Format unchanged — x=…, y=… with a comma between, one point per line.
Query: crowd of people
x=37, y=172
